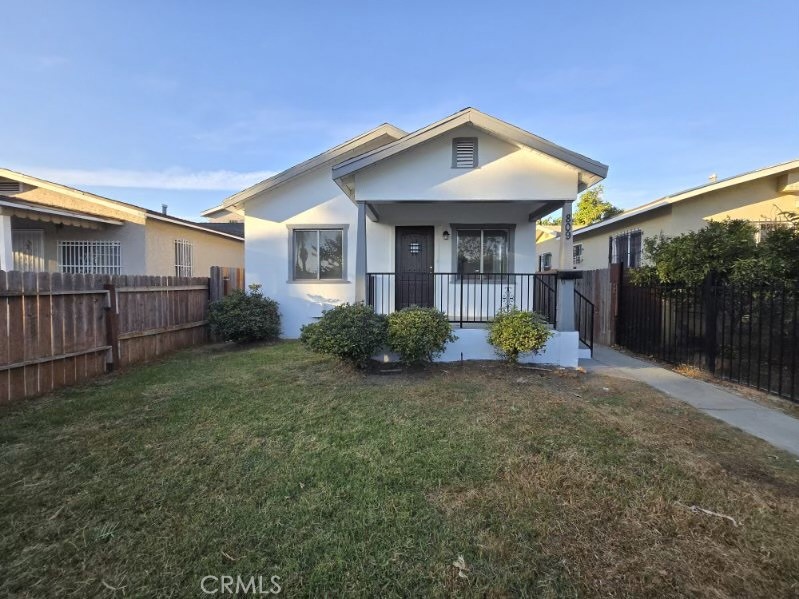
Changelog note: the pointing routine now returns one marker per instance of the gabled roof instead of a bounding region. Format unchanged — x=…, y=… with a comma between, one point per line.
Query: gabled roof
x=692, y=192
x=591, y=171
x=70, y=191
x=103, y=201
x=386, y=129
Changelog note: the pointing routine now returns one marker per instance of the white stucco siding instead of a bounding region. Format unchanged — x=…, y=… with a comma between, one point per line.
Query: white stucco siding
x=311, y=200
x=504, y=172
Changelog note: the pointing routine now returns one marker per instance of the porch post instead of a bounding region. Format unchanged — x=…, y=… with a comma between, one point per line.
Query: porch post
x=6, y=249
x=360, y=254
x=565, y=314
x=566, y=243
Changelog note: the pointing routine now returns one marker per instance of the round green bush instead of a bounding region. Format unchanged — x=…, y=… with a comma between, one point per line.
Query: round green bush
x=352, y=332
x=515, y=332
x=245, y=316
x=418, y=334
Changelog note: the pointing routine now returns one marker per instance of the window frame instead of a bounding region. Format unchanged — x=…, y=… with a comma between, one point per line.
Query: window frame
x=83, y=244
x=510, y=228
x=475, y=153
x=623, y=255
x=344, y=228
x=183, y=244
x=577, y=253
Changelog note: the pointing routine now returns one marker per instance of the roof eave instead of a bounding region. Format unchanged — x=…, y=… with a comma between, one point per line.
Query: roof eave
x=312, y=163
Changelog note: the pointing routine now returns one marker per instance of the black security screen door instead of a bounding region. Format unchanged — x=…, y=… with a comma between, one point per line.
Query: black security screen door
x=414, y=267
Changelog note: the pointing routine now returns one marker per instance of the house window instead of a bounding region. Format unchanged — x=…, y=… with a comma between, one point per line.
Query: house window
x=627, y=248
x=184, y=258
x=483, y=250
x=464, y=152
x=764, y=228
x=318, y=254
x=577, y=253
x=90, y=257
x=545, y=261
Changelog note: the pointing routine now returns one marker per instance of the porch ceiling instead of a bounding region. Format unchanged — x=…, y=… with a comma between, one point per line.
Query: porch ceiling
x=12, y=207
x=444, y=212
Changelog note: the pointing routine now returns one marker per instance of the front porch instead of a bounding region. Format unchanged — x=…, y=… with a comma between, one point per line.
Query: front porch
x=465, y=298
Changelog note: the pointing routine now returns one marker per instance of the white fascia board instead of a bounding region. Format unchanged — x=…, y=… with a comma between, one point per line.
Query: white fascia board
x=596, y=171
x=72, y=192
x=693, y=192
x=311, y=163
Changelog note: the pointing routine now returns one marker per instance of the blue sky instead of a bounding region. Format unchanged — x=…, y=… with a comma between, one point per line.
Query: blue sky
x=185, y=103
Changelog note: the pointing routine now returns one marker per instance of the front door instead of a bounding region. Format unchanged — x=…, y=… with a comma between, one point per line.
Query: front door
x=28, y=249
x=414, y=267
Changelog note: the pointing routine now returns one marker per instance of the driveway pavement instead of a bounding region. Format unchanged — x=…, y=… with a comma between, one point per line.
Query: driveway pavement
x=769, y=424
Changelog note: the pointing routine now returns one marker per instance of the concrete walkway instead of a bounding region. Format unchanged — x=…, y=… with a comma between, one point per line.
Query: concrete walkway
x=771, y=425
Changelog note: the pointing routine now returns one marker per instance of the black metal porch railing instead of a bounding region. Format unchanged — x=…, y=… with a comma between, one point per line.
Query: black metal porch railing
x=584, y=319
x=464, y=298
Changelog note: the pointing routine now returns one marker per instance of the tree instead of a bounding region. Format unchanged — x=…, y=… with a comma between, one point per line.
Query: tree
x=591, y=208
x=726, y=248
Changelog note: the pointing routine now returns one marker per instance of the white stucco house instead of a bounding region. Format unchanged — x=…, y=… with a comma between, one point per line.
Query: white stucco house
x=444, y=216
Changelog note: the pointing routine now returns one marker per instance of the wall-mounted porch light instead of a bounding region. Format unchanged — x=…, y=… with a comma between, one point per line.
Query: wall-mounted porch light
x=446, y=235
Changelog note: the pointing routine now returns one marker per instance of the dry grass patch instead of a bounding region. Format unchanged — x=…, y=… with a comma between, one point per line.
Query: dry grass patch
x=270, y=460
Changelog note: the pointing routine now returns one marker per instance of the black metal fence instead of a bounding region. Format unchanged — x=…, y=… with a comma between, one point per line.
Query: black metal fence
x=584, y=319
x=464, y=298
x=744, y=334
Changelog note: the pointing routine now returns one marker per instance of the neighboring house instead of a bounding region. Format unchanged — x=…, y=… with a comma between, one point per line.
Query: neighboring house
x=760, y=196
x=444, y=216
x=48, y=227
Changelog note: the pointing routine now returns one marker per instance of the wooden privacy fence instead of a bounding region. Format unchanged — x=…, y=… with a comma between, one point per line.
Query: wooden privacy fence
x=224, y=280
x=58, y=329
x=601, y=288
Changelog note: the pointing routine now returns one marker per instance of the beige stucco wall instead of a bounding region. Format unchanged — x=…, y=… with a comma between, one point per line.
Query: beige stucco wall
x=130, y=236
x=209, y=249
x=758, y=200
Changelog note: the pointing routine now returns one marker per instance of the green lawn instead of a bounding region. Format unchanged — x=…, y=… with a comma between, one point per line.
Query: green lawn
x=273, y=461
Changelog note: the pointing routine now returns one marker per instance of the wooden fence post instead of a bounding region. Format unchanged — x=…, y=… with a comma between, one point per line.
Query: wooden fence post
x=616, y=276
x=112, y=326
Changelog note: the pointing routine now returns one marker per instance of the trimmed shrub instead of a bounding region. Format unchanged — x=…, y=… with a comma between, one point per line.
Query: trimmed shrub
x=515, y=332
x=351, y=332
x=245, y=316
x=418, y=334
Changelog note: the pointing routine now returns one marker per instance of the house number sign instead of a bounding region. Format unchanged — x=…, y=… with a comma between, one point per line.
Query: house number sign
x=568, y=226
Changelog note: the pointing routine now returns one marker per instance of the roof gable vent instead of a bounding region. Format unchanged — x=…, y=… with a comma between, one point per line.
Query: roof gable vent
x=464, y=152
x=9, y=185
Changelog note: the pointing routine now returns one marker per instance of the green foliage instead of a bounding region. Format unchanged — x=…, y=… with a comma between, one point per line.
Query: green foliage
x=351, y=332
x=243, y=317
x=591, y=208
x=515, y=332
x=418, y=334
x=726, y=248
x=777, y=259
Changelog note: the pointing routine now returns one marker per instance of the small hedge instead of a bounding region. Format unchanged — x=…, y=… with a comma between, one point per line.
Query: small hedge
x=515, y=332
x=352, y=332
x=243, y=317
x=418, y=335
